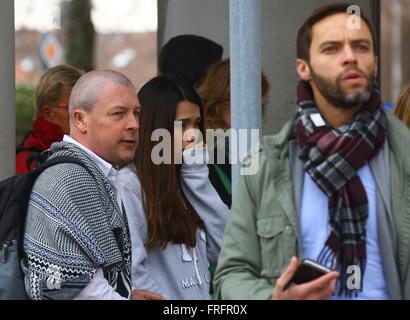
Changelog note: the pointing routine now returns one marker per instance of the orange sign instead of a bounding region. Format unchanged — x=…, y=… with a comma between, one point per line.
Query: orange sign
x=50, y=51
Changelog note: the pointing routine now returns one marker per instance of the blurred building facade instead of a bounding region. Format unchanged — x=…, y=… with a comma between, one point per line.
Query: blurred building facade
x=133, y=54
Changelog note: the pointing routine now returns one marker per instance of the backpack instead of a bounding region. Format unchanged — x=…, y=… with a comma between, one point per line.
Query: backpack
x=14, y=197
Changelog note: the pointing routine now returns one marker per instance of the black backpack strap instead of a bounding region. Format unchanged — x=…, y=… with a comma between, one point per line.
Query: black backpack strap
x=43, y=156
x=38, y=156
x=34, y=155
x=58, y=160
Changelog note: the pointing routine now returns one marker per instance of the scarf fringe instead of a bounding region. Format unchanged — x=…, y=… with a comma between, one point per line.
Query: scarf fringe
x=328, y=257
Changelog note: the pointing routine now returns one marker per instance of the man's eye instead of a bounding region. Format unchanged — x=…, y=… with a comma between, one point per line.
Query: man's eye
x=329, y=49
x=118, y=114
x=363, y=48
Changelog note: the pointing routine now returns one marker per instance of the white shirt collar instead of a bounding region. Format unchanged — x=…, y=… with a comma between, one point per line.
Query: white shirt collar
x=106, y=168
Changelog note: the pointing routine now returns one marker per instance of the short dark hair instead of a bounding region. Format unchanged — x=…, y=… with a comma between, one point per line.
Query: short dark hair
x=304, y=39
x=185, y=58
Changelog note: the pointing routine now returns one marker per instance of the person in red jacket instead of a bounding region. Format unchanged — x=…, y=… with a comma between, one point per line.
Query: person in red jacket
x=52, y=121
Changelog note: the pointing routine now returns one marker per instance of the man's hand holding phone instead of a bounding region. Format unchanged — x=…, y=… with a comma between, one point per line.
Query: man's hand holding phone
x=318, y=289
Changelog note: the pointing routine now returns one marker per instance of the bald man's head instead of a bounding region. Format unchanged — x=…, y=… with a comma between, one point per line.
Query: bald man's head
x=86, y=91
x=104, y=116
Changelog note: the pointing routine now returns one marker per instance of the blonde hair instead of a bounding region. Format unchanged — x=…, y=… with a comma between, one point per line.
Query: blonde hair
x=53, y=83
x=402, y=108
x=215, y=93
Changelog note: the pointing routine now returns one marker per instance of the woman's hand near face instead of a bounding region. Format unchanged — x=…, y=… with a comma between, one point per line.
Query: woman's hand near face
x=192, y=139
x=198, y=145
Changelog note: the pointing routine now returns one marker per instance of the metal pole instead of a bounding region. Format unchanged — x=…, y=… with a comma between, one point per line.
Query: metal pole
x=396, y=75
x=7, y=90
x=245, y=52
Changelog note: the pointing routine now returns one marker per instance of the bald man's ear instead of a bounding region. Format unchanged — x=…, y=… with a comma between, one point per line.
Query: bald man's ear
x=80, y=118
x=303, y=69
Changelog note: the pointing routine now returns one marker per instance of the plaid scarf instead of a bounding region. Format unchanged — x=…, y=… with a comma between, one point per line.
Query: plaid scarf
x=332, y=158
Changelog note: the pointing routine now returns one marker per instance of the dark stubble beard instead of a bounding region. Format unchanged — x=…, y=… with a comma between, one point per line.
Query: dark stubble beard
x=336, y=96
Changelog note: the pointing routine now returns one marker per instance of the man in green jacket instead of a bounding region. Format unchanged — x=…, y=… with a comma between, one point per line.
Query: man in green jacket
x=332, y=186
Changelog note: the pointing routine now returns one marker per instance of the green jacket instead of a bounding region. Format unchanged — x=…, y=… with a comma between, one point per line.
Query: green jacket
x=262, y=233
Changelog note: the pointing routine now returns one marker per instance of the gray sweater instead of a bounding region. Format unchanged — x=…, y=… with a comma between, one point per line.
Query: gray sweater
x=177, y=272
x=74, y=227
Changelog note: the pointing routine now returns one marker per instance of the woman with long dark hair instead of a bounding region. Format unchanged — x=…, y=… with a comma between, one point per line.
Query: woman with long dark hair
x=176, y=217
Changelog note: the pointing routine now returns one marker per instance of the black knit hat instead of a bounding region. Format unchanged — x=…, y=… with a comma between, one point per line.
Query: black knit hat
x=185, y=58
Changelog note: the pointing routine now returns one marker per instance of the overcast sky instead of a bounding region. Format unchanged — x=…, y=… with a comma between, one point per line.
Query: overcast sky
x=107, y=15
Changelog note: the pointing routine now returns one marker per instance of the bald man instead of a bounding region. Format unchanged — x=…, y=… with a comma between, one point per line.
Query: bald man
x=76, y=240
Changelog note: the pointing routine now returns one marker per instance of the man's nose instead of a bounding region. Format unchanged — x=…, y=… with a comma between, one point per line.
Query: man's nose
x=349, y=56
x=133, y=123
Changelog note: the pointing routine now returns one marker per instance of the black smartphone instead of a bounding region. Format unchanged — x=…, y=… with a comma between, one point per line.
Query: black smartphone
x=308, y=270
